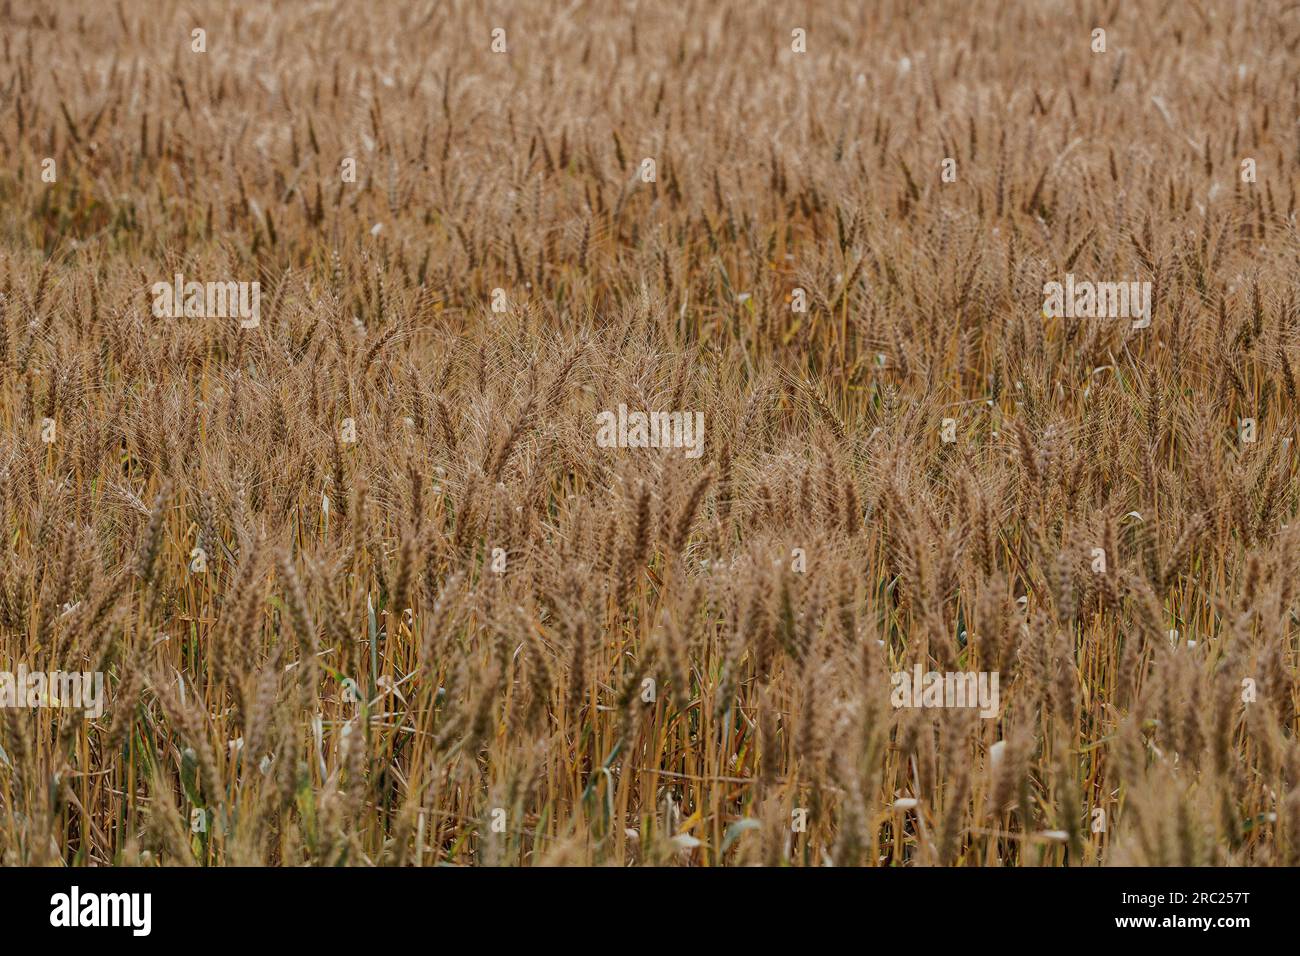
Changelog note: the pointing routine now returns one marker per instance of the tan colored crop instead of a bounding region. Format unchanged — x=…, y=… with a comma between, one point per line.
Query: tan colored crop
x=363, y=586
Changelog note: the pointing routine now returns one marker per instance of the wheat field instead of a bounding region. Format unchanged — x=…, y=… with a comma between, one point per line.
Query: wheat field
x=363, y=585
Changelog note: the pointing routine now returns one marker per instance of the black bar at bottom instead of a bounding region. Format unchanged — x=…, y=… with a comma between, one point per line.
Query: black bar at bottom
x=391, y=906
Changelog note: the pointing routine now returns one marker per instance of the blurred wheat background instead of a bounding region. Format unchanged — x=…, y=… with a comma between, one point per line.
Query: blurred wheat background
x=348, y=681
